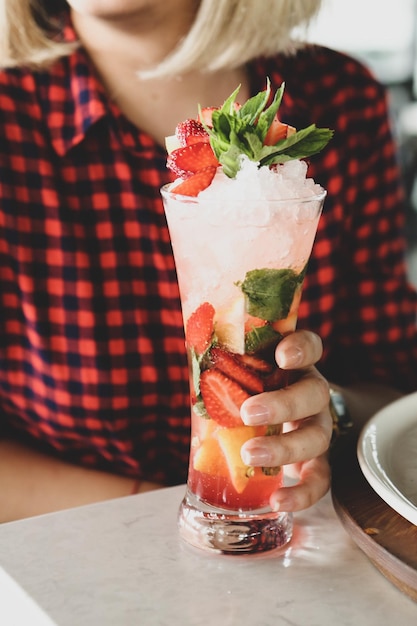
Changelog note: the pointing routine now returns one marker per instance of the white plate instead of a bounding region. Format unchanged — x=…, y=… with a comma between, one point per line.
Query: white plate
x=387, y=454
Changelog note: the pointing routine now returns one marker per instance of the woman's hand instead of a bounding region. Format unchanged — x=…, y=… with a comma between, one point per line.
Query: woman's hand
x=303, y=410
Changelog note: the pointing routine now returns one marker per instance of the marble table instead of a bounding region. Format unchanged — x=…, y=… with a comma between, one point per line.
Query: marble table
x=121, y=563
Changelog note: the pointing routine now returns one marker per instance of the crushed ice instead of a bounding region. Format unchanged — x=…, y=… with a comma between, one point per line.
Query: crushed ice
x=253, y=187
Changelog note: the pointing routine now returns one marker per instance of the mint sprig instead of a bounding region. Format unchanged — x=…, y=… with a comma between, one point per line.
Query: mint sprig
x=270, y=292
x=242, y=131
x=303, y=143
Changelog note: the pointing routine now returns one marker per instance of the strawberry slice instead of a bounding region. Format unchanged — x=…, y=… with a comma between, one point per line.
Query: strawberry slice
x=235, y=369
x=256, y=363
x=277, y=131
x=191, y=131
x=206, y=114
x=191, y=159
x=279, y=379
x=222, y=397
x=196, y=183
x=199, y=328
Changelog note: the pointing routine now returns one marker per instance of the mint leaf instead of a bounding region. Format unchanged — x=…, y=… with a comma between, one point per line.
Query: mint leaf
x=199, y=409
x=254, y=145
x=267, y=117
x=223, y=124
x=253, y=107
x=228, y=104
x=242, y=131
x=302, y=144
x=270, y=292
x=260, y=338
x=230, y=160
x=195, y=371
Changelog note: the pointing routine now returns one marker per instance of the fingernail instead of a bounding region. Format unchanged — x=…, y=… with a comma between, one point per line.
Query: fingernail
x=254, y=414
x=291, y=357
x=256, y=456
x=275, y=506
x=284, y=505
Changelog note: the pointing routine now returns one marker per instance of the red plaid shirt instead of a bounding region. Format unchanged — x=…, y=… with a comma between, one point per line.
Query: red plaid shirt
x=92, y=362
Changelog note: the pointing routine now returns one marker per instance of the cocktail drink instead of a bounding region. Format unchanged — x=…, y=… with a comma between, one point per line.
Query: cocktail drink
x=241, y=246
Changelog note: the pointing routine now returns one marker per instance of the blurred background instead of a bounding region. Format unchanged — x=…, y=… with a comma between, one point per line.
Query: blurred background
x=383, y=35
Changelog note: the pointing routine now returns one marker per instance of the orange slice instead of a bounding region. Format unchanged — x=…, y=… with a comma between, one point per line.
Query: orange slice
x=286, y=326
x=209, y=459
x=290, y=322
x=231, y=440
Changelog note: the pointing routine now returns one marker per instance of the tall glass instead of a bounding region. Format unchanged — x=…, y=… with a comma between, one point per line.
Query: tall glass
x=240, y=277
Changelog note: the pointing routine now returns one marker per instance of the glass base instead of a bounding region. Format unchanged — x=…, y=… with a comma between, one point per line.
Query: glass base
x=229, y=532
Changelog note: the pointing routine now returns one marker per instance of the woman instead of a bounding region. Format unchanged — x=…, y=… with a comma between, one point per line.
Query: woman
x=93, y=381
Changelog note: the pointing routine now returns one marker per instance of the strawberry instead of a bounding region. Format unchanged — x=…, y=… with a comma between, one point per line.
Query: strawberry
x=191, y=131
x=199, y=328
x=206, y=114
x=277, y=131
x=255, y=363
x=235, y=369
x=280, y=378
x=191, y=159
x=222, y=397
x=228, y=132
x=192, y=185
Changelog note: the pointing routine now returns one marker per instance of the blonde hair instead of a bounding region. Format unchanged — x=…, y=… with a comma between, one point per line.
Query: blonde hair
x=224, y=34
x=28, y=30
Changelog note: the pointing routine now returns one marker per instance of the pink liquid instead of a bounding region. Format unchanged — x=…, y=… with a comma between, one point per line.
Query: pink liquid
x=218, y=491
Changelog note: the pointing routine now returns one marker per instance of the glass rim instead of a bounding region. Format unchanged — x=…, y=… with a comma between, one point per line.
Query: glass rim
x=316, y=197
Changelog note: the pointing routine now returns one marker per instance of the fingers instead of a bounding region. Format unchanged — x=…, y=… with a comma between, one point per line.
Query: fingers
x=308, y=439
x=303, y=452
x=307, y=396
x=298, y=350
x=303, y=410
x=314, y=484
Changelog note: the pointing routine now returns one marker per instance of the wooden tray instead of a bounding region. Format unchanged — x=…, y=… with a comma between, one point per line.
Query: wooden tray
x=388, y=539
